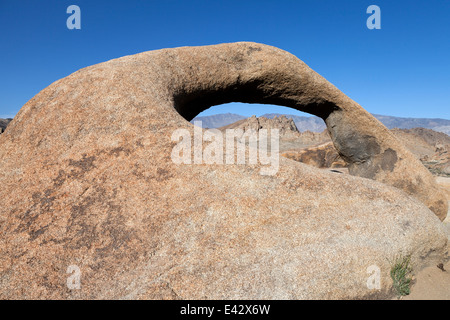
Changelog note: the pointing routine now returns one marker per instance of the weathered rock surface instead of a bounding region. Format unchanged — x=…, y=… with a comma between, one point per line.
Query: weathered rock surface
x=321, y=156
x=87, y=180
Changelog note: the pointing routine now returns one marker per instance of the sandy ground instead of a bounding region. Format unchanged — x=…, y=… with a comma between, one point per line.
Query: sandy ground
x=432, y=283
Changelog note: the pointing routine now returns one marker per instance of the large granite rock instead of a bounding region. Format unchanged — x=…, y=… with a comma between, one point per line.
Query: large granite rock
x=88, y=186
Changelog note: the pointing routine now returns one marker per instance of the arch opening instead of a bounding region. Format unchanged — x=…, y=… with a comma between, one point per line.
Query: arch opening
x=302, y=137
x=190, y=104
x=225, y=114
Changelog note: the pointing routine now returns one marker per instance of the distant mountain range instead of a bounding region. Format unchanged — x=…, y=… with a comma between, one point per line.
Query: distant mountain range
x=218, y=120
x=316, y=124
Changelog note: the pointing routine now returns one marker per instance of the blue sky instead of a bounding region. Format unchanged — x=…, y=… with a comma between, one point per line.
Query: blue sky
x=403, y=69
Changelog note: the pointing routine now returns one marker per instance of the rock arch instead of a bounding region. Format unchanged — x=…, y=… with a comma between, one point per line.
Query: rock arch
x=256, y=73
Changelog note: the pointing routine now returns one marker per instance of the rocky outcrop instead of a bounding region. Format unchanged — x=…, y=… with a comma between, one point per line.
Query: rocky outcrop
x=289, y=136
x=439, y=162
x=421, y=141
x=430, y=147
x=4, y=124
x=91, y=196
x=285, y=126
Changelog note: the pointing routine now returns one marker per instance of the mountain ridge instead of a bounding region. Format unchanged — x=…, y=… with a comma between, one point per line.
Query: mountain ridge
x=315, y=124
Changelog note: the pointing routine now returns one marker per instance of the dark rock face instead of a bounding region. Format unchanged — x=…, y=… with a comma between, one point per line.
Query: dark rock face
x=88, y=184
x=320, y=156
